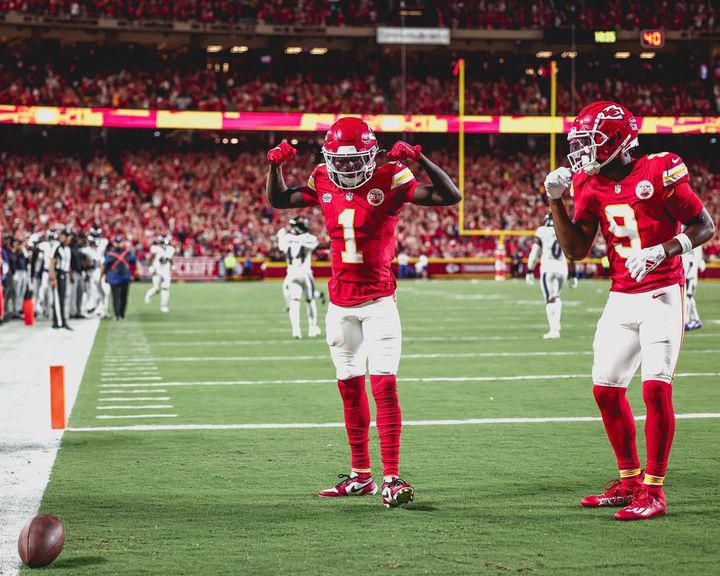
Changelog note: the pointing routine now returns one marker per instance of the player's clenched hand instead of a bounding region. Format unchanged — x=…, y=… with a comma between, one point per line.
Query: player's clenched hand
x=281, y=154
x=557, y=182
x=642, y=262
x=404, y=151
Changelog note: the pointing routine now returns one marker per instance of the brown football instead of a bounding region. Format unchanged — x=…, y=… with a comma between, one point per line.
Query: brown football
x=41, y=541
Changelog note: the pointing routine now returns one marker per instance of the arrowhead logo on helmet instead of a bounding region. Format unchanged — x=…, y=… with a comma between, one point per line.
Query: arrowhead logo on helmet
x=602, y=131
x=349, y=151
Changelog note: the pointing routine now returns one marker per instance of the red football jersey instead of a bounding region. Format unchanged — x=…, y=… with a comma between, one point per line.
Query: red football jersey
x=361, y=225
x=642, y=210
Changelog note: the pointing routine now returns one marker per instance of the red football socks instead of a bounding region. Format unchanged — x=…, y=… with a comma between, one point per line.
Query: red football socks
x=659, y=431
x=389, y=421
x=620, y=427
x=357, y=420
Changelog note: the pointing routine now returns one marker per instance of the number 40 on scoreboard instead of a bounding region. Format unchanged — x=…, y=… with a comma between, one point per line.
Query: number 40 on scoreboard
x=652, y=38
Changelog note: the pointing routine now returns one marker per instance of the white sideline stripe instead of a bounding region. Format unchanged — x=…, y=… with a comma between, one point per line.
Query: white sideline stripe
x=407, y=356
x=131, y=378
x=143, y=407
x=139, y=369
x=401, y=380
x=153, y=391
x=129, y=374
x=470, y=421
x=134, y=399
x=129, y=416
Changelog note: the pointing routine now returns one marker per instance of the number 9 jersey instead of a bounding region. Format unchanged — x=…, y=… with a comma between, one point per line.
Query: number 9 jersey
x=361, y=224
x=642, y=210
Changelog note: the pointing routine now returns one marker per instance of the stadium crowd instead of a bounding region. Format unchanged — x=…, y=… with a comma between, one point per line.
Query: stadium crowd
x=134, y=77
x=474, y=14
x=213, y=203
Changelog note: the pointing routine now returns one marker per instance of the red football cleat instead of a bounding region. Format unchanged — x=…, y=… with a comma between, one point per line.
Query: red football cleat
x=615, y=494
x=396, y=493
x=350, y=485
x=646, y=505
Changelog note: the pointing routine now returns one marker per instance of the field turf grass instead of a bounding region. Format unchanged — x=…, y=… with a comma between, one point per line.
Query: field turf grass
x=492, y=498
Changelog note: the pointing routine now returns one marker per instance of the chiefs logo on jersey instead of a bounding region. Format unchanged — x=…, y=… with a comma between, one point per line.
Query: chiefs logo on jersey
x=375, y=197
x=644, y=190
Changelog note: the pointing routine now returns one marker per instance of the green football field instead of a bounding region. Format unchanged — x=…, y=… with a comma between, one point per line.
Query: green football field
x=219, y=473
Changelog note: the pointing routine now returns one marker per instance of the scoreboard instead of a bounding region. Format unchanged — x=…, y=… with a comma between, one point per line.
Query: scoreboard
x=652, y=38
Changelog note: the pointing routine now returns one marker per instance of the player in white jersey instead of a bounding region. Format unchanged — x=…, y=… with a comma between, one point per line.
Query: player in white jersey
x=162, y=253
x=298, y=246
x=43, y=292
x=553, y=272
x=97, y=290
x=693, y=264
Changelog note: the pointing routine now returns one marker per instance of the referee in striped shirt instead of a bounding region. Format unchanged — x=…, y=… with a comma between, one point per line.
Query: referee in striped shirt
x=59, y=272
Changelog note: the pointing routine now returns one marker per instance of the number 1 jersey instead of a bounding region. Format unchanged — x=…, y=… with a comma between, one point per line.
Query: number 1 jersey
x=361, y=224
x=642, y=210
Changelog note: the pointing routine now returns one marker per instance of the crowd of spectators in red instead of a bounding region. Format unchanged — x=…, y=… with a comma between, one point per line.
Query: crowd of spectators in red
x=213, y=203
x=138, y=78
x=474, y=14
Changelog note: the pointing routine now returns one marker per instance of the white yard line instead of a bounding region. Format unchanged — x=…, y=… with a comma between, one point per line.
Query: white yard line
x=130, y=378
x=283, y=426
x=130, y=416
x=134, y=399
x=27, y=445
x=134, y=407
x=153, y=391
x=401, y=380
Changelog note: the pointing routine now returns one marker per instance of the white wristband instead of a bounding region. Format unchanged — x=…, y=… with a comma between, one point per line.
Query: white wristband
x=685, y=242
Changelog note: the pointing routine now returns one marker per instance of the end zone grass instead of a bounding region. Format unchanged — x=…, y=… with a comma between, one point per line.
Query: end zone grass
x=492, y=498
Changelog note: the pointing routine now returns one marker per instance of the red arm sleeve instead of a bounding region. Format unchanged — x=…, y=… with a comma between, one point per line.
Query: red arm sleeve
x=309, y=194
x=585, y=205
x=682, y=203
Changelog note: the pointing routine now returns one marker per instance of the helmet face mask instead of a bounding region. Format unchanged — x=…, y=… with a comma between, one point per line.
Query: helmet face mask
x=350, y=169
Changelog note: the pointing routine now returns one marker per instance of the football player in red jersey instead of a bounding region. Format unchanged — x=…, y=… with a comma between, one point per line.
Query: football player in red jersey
x=361, y=203
x=639, y=203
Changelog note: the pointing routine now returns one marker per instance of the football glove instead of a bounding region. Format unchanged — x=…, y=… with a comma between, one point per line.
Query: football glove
x=557, y=182
x=529, y=278
x=281, y=154
x=573, y=282
x=404, y=151
x=641, y=262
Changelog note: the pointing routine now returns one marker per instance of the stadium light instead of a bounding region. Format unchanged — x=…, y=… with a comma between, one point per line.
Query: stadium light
x=622, y=55
x=544, y=54
x=212, y=48
x=293, y=50
x=226, y=67
x=239, y=49
x=568, y=54
x=318, y=51
x=530, y=71
x=233, y=140
x=647, y=55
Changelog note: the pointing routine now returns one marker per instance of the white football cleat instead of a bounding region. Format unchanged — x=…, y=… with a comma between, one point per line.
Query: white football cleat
x=314, y=331
x=552, y=335
x=297, y=335
x=148, y=296
x=164, y=309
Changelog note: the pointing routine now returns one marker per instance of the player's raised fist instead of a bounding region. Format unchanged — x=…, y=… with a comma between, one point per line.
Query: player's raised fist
x=281, y=154
x=404, y=151
x=557, y=182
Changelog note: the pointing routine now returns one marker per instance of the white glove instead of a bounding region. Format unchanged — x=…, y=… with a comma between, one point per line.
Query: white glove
x=573, y=282
x=557, y=182
x=529, y=278
x=642, y=262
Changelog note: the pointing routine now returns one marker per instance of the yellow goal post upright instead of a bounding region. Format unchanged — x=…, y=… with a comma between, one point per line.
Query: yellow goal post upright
x=501, y=234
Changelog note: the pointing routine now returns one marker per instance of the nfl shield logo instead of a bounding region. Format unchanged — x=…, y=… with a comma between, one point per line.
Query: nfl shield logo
x=618, y=188
x=348, y=196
